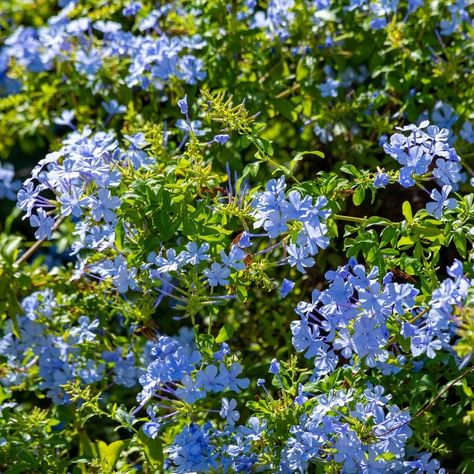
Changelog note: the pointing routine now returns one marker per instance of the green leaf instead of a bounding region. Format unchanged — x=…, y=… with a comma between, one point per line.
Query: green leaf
x=383, y=70
x=460, y=242
x=225, y=333
x=153, y=449
x=407, y=213
x=467, y=390
x=242, y=293
x=428, y=232
x=352, y=170
x=375, y=220
x=299, y=156
x=358, y=196
x=286, y=108
x=406, y=241
x=389, y=251
x=119, y=236
x=109, y=453
x=301, y=70
x=9, y=249
x=387, y=235
x=251, y=169
x=265, y=145
x=16, y=212
x=86, y=447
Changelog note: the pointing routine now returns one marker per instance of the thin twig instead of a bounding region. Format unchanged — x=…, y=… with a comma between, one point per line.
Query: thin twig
x=37, y=244
x=431, y=403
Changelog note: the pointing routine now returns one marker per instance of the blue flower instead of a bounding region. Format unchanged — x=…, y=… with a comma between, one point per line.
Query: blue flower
x=286, y=287
x=235, y=259
x=222, y=138
x=102, y=206
x=194, y=126
x=229, y=378
x=183, y=105
x=424, y=343
x=65, y=118
x=151, y=429
x=228, y=411
x=381, y=180
x=298, y=256
x=324, y=363
x=8, y=186
x=125, y=371
x=274, y=367
x=132, y=8
x=122, y=277
x=456, y=269
x=459, y=14
x=194, y=254
x=191, y=70
x=467, y=132
x=323, y=133
x=444, y=115
x=44, y=223
x=88, y=64
x=329, y=88
x=71, y=203
x=189, y=391
x=85, y=331
x=207, y=379
x=167, y=264
x=447, y=172
x=244, y=240
x=191, y=451
x=113, y=107
x=300, y=399
x=217, y=275
x=413, y=5
x=441, y=201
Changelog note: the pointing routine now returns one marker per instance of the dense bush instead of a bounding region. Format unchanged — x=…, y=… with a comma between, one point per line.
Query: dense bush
x=236, y=236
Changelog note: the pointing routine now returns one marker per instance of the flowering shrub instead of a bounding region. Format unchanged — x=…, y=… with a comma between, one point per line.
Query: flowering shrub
x=236, y=237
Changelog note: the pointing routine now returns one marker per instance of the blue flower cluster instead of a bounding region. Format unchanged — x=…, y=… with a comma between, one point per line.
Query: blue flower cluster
x=424, y=150
x=203, y=448
x=381, y=12
x=60, y=183
x=273, y=212
x=332, y=424
x=459, y=14
x=277, y=19
x=61, y=356
x=348, y=318
x=177, y=372
x=217, y=274
x=8, y=184
x=435, y=329
x=152, y=58
x=279, y=15
x=303, y=219
x=445, y=116
x=360, y=432
x=347, y=323
x=425, y=145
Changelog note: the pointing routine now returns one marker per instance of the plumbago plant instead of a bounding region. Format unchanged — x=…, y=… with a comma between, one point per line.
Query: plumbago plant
x=325, y=72
x=277, y=280
x=182, y=330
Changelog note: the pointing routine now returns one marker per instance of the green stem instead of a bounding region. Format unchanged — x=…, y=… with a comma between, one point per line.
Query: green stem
x=340, y=217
